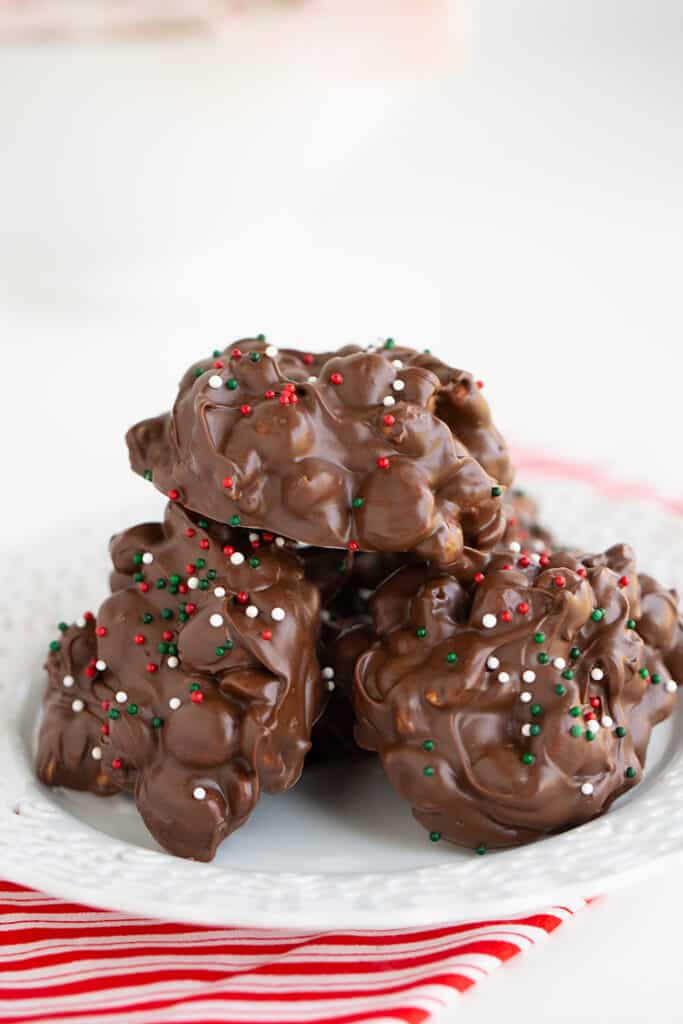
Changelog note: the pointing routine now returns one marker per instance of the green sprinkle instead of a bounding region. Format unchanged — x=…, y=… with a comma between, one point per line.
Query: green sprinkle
x=496, y=492
x=161, y=584
x=567, y=674
x=216, y=353
x=174, y=579
x=254, y=562
x=203, y=584
x=575, y=712
x=451, y=657
x=536, y=709
x=590, y=736
x=235, y=520
x=528, y=759
x=341, y=566
x=231, y=383
x=428, y=770
x=421, y=632
x=560, y=690
x=656, y=678
x=114, y=713
x=535, y=729
x=539, y=638
x=620, y=731
x=138, y=577
x=147, y=618
x=255, y=357
x=260, y=337
x=630, y=773
x=147, y=474
x=55, y=646
x=163, y=648
x=200, y=563
x=631, y=624
x=157, y=722
x=137, y=558
x=198, y=371
x=428, y=745
x=132, y=709
x=598, y=614
x=211, y=574
x=183, y=616
x=389, y=343
x=194, y=687
x=223, y=649
x=358, y=502
x=481, y=849
x=643, y=673
x=543, y=659
x=172, y=649
x=62, y=627
x=435, y=836
x=173, y=589
x=203, y=524
x=575, y=730
x=574, y=653
x=166, y=613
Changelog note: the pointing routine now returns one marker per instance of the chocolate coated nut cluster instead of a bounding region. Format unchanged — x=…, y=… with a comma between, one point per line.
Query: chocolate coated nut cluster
x=198, y=686
x=517, y=700
x=354, y=458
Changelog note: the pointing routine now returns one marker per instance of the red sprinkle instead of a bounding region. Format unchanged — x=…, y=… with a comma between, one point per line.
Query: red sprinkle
x=269, y=394
x=167, y=635
x=174, y=494
x=336, y=378
x=190, y=608
x=284, y=398
x=105, y=705
x=383, y=462
x=267, y=634
x=236, y=354
x=245, y=410
x=255, y=543
x=88, y=616
x=204, y=544
x=524, y=562
x=581, y=571
x=144, y=587
x=624, y=581
x=116, y=763
x=522, y=608
x=505, y=568
x=560, y=582
x=197, y=697
x=228, y=481
x=242, y=597
x=151, y=667
x=268, y=537
x=104, y=729
x=91, y=671
x=480, y=384
x=190, y=568
x=182, y=588
x=139, y=639
x=595, y=702
x=101, y=631
x=308, y=359
x=479, y=577
x=352, y=545
x=506, y=616
x=544, y=560
x=218, y=365
x=389, y=420
x=189, y=532
x=591, y=716
x=228, y=550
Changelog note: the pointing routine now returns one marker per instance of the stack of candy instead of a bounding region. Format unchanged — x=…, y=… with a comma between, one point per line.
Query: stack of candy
x=341, y=562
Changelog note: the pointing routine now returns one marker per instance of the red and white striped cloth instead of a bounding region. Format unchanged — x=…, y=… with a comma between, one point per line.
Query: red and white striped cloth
x=65, y=962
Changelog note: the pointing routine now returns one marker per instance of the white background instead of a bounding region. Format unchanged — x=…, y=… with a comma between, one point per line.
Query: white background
x=521, y=216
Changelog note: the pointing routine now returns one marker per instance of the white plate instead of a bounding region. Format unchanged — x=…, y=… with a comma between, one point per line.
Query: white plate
x=340, y=850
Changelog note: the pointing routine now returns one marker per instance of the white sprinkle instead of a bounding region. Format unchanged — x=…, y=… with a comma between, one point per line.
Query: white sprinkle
x=536, y=559
x=328, y=672
x=364, y=594
x=280, y=542
x=587, y=789
x=121, y=697
x=77, y=705
x=329, y=685
x=489, y=621
x=606, y=722
x=537, y=545
x=96, y=753
x=398, y=385
x=597, y=674
x=101, y=665
x=389, y=400
x=325, y=615
x=271, y=351
x=593, y=726
x=172, y=662
x=216, y=620
x=492, y=662
x=251, y=611
x=526, y=729
x=236, y=558
x=311, y=380
x=278, y=614
x=219, y=592
x=193, y=582
x=529, y=676
x=253, y=536
x=525, y=696
x=174, y=703
x=68, y=681
x=199, y=793
x=503, y=677
x=670, y=686
x=560, y=663
x=80, y=623
x=215, y=381
x=514, y=546
x=148, y=558
x=397, y=364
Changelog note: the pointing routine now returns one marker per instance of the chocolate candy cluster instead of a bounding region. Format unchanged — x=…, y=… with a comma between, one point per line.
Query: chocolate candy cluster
x=341, y=556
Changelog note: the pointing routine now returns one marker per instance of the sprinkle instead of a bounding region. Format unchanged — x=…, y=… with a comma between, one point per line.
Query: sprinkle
x=506, y=616
x=101, y=631
x=480, y=850
x=656, y=678
x=398, y=385
x=529, y=676
x=451, y=657
x=643, y=673
x=219, y=592
x=631, y=624
x=121, y=697
x=77, y=705
x=383, y=462
x=311, y=380
x=598, y=614
x=630, y=773
x=575, y=711
x=478, y=577
x=68, y=682
x=526, y=729
x=215, y=381
x=606, y=722
x=528, y=759
x=428, y=745
x=421, y=632
x=278, y=614
x=539, y=638
x=575, y=731
x=389, y=401
x=435, y=836
x=270, y=351
x=329, y=685
x=597, y=674
x=568, y=674
x=489, y=621
x=280, y=542
x=193, y=582
x=593, y=725
x=560, y=690
x=172, y=662
x=503, y=677
x=523, y=608
x=624, y=581
x=514, y=546
x=328, y=672
x=96, y=753
x=543, y=658
x=237, y=558
x=174, y=703
x=525, y=697
x=147, y=558
x=560, y=663
x=216, y=620
x=199, y=793
x=536, y=710
x=670, y=686
x=587, y=789
x=251, y=611
x=560, y=582
x=574, y=653
x=428, y=770
x=493, y=662
x=620, y=731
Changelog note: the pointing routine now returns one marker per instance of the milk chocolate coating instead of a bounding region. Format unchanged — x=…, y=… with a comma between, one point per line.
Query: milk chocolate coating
x=486, y=757
x=210, y=692
x=328, y=463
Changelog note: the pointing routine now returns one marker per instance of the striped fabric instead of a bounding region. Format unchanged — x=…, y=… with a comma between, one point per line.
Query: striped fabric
x=64, y=962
